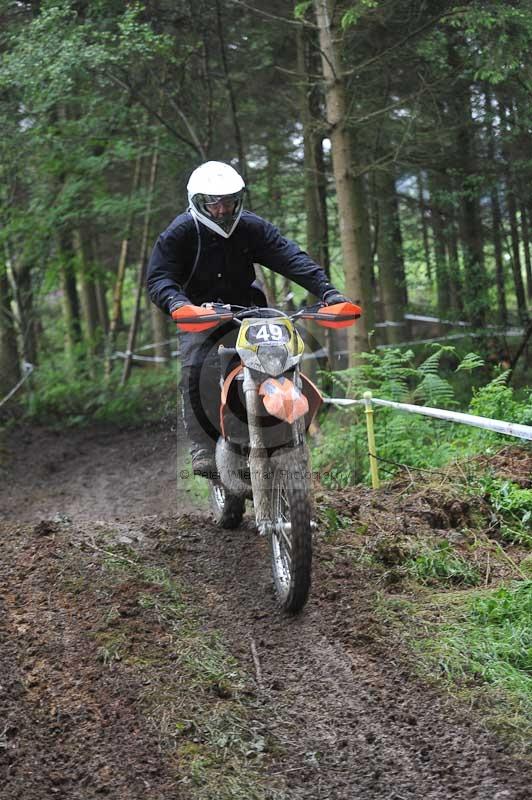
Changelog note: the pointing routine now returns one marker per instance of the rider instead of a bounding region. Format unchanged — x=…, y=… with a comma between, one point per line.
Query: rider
x=207, y=255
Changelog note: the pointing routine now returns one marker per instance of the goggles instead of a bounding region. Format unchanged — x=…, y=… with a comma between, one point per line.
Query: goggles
x=226, y=200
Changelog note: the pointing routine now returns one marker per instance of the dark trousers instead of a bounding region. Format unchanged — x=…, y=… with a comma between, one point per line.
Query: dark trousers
x=200, y=394
x=200, y=385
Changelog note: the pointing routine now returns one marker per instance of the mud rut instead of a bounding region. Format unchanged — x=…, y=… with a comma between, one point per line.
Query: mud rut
x=353, y=720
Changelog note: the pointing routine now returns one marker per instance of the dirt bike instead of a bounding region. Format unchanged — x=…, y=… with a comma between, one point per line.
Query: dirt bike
x=267, y=405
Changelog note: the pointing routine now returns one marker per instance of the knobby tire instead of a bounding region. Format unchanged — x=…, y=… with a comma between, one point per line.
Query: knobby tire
x=291, y=499
x=228, y=509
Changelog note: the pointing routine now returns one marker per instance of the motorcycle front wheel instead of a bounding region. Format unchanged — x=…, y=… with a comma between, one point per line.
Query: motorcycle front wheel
x=291, y=535
x=228, y=509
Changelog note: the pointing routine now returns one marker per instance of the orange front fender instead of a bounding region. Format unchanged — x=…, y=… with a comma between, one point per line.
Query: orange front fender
x=307, y=403
x=283, y=400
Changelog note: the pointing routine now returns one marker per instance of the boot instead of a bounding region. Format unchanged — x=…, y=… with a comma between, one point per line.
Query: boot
x=204, y=463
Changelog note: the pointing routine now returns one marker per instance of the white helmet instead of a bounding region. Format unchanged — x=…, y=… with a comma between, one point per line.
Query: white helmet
x=216, y=184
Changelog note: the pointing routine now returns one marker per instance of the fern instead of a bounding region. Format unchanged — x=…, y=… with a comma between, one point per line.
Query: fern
x=500, y=380
x=470, y=362
x=435, y=391
x=431, y=365
x=497, y=400
x=410, y=439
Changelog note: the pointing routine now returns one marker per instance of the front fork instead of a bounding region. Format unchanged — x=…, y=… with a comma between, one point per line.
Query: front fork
x=261, y=470
x=259, y=466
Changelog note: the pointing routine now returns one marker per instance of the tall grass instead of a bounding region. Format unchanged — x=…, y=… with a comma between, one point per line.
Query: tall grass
x=483, y=643
x=493, y=640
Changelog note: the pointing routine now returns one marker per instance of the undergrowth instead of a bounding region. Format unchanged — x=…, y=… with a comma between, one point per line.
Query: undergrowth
x=410, y=439
x=440, y=564
x=62, y=396
x=513, y=506
x=485, y=639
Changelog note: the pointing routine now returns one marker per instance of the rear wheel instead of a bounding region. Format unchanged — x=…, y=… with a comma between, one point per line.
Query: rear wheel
x=228, y=509
x=291, y=534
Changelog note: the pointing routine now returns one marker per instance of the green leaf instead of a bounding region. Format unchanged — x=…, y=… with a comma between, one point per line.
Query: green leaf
x=470, y=362
x=301, y=9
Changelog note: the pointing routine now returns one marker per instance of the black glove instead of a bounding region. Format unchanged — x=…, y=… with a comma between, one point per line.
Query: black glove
x=333, y=296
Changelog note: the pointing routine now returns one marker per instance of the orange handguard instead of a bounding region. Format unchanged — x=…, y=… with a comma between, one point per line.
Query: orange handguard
x=196, y=318
x=339, y=315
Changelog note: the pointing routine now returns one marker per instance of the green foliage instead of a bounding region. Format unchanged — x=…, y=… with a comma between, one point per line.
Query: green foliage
x=442, y=565
x=480, y=643
x=389, y=372
x=502, y=34
x=493, y=639
x=513, y=505
x=63, y=396
x=410, y=439
x=333, y=520
x=301, y=9
x=470, y=362
x=498, y=401
x=72, y=123
x=401, y=438
x=433, y=389
x=354, y=14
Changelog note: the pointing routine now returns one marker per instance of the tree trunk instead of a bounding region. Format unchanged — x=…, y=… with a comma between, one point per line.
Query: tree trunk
x=525, y=231
x=231, y=96
x=89, y=300
x=116, y=314
x=161, y=333
x=70, y=298
x=103, y=311
x=424, y=225
x=22, y=277
x=456, y=290
x=511, y=205
x=389, y=252
x=315, y=200
x=516, y=255
x=100, y=279
x=496, y=217
x=142, y=265
x=354, y=234
x=475, y=280
x=9, y=360
x=502, y=314
x=259, y=272
x=470, y=226
x=317, y=229
x=440, y=246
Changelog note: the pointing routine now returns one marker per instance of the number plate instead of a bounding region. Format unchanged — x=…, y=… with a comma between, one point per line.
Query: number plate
x=267, y=333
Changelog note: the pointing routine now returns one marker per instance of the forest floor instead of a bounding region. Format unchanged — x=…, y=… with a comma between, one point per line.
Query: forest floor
x=142, y=654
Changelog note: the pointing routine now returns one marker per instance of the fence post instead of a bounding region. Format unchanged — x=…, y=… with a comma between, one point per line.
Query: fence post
x=371, y=441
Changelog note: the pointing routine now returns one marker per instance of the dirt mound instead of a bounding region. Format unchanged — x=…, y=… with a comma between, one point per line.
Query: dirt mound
x=513, y=464
x=96, y=693
x=72, y=725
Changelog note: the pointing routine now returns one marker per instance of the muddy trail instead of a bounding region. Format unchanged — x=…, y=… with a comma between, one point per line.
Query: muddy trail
x=96, y=697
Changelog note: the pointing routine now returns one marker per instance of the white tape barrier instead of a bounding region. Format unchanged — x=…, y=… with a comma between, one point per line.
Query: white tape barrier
x=153, y=359
x=156, y=344
x=507, y=428
x=27, y=369
x=425, y=318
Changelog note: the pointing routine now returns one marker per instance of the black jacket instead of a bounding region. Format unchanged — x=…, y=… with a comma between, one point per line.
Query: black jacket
x=224, y=270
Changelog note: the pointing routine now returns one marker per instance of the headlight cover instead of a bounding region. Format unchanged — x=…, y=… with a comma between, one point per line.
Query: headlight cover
x=273, y=358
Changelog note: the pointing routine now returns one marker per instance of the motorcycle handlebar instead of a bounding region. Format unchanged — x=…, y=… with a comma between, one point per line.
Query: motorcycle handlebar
x=197, y=318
